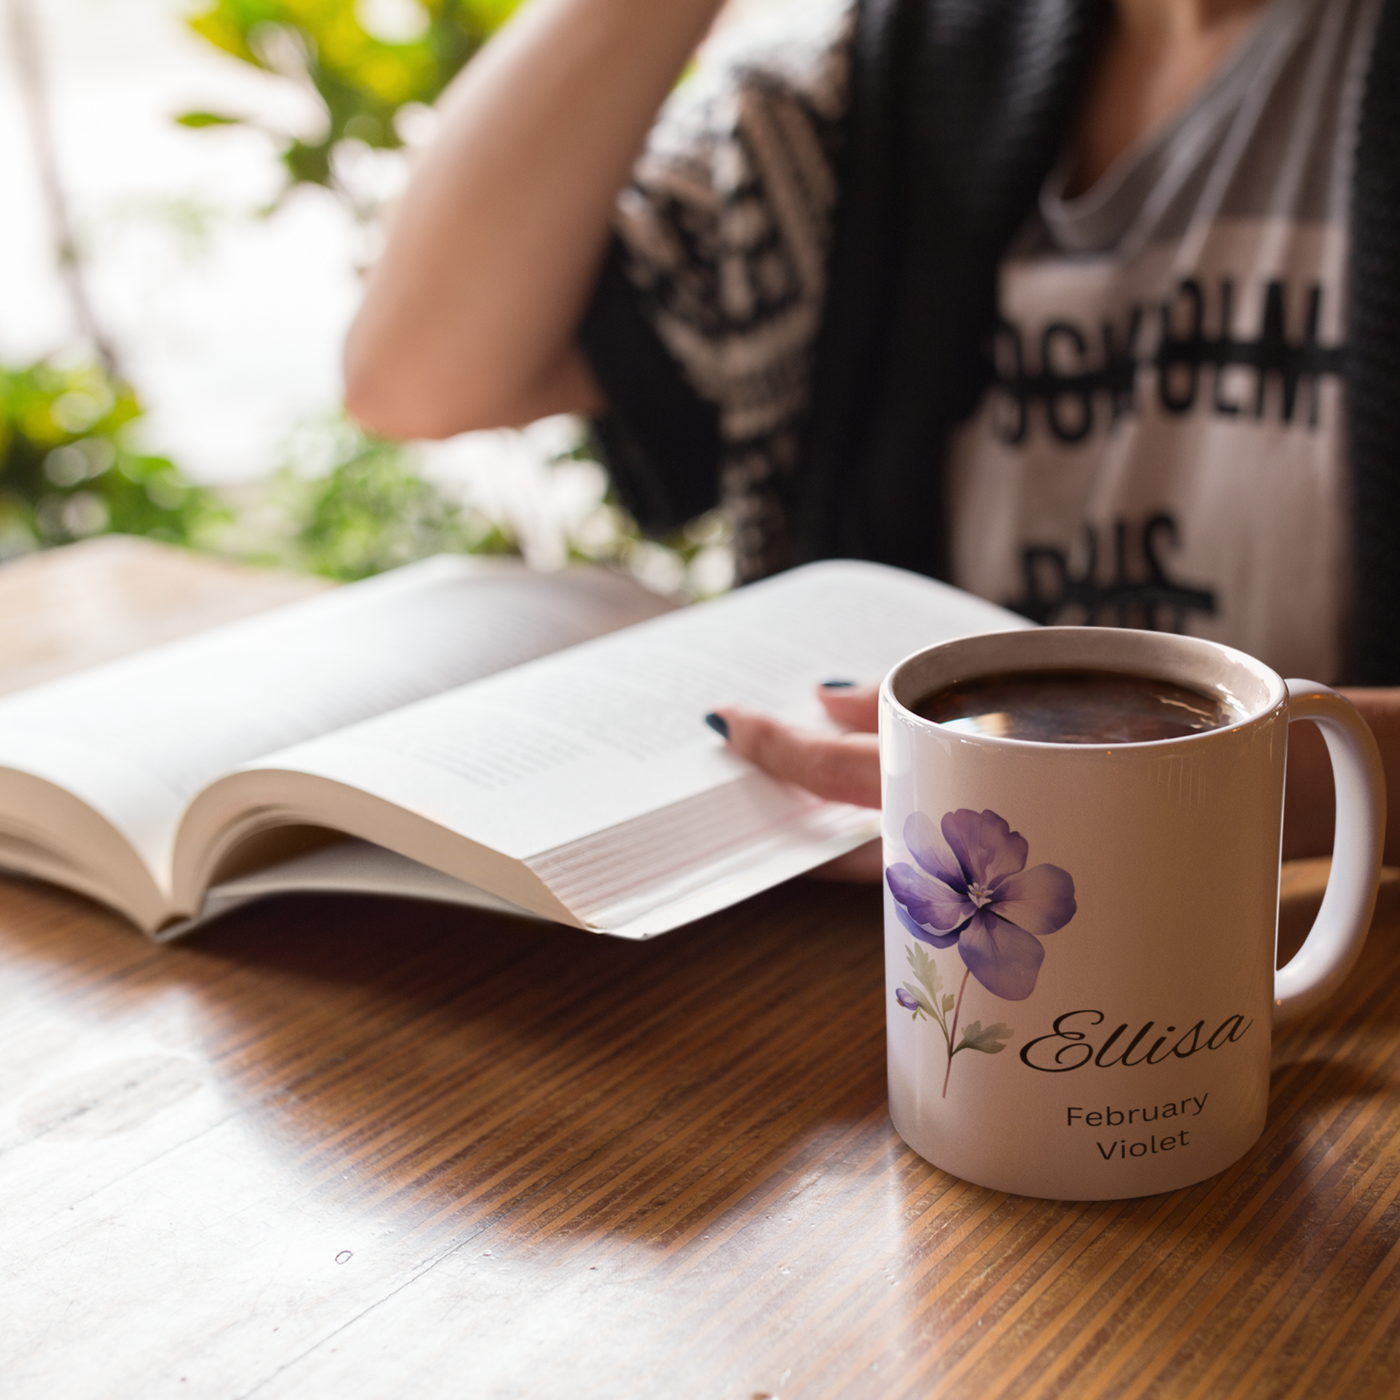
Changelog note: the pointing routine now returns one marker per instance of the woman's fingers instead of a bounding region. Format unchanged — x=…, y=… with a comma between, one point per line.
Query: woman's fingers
x=854, y=707
x=838, y=767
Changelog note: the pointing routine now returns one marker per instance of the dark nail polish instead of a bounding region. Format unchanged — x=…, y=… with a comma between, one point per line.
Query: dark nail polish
x=718, y=723
x=838, y=685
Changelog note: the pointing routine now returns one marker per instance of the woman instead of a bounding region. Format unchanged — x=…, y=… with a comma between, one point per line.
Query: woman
x=1093, y=308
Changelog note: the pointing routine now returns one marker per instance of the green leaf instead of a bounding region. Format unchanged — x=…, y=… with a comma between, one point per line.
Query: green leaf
x=373, y=511
x=362, y=77
x=920, y=998
x=948, y=1001
x=990, y=1041
x=926, y=972
x=199, y=119
x=68, y=469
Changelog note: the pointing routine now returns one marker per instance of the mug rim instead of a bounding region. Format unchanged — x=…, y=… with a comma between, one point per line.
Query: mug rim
x=1274, y=690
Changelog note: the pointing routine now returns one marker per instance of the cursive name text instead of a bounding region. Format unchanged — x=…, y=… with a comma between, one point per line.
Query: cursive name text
x=1068, y=1046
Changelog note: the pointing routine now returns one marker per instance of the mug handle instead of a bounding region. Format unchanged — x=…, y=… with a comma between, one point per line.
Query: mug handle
x=1334, y=942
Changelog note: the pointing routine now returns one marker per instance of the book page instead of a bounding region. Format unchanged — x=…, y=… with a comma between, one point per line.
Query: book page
x=540, y=759
x=347, y=867
x=137, y=738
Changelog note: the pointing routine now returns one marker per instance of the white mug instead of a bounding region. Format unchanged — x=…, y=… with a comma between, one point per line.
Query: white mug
x=1080, y=938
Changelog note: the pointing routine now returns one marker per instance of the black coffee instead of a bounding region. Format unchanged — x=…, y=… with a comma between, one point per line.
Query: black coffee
x=1074, y=707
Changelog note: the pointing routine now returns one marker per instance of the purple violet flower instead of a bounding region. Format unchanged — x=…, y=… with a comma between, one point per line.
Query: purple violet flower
x=905, y=1000
x=981, y=897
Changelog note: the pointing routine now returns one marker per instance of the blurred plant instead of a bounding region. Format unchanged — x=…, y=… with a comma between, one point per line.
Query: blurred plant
x=696, y=561
x=547, y=486
x=69, y=467
x=374, y=512
x=33, y=83
x=347, y=505
x=373, y=65
x=359, y=505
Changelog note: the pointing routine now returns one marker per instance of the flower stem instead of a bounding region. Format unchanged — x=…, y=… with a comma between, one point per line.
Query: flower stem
x=953, y=1034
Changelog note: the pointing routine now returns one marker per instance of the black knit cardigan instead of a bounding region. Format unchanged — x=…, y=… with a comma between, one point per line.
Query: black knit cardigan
x=958, y=110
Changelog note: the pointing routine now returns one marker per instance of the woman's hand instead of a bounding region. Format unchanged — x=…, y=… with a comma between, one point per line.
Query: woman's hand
x=846, y=768
x=839, y=767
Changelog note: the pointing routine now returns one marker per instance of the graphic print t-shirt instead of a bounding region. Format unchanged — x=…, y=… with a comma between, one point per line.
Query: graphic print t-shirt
x=1164, y=445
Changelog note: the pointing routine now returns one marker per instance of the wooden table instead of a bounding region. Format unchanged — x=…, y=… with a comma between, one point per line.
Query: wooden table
x=363, y=1148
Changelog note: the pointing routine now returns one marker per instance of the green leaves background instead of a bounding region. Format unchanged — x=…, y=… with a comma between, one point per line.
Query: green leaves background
x=364, y=79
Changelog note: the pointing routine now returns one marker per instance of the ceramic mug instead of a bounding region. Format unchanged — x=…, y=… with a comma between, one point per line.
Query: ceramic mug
x=1080, y=938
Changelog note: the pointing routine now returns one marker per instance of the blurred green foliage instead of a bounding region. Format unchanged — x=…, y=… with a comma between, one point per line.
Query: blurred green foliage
x=69, y=468
x=363, y=72
x=366, y=508
x=347, y=505
x=373, y=511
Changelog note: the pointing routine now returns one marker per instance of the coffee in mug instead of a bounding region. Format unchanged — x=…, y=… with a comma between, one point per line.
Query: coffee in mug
x=1075, y=707
x=1080, y=929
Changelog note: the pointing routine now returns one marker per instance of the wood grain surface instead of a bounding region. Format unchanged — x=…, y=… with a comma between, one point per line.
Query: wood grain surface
x=365, y=1148
x=115, y=594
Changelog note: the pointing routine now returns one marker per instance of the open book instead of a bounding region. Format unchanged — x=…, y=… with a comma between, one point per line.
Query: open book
x=459, y=732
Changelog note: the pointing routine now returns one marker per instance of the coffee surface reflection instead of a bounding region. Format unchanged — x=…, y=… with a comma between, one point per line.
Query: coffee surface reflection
x=1075, y=707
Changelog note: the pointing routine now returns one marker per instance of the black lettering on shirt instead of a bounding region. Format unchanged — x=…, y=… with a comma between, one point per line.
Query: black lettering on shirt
x=1079, y=386
x=1053, y=592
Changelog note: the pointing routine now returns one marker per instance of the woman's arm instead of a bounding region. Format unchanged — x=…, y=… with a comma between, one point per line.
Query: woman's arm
x=469, y=318
x=846, y=767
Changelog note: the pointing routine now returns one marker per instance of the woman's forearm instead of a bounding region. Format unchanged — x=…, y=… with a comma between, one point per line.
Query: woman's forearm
x=1311, y=806
x=469, y=318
